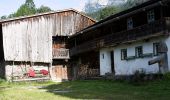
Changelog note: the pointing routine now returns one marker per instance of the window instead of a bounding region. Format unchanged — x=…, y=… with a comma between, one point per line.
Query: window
x=155, y=49
x=123, y=54
x=139, y=51
x=129, y=23
x=103, y=56
x=151, y=16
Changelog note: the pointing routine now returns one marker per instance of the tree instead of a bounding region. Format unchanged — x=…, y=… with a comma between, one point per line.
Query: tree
x=99, y=12
x=4, y=17
x=43, y=9
x=107, y=11
x=112, y=7
x=91, y=7
x=132, y=3
x=30, y=4
x=26, y=9
x=11, y=15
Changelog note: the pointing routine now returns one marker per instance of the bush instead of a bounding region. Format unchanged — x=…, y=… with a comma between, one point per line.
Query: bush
x=2, y=81
x=167, y=76
x=139, y=77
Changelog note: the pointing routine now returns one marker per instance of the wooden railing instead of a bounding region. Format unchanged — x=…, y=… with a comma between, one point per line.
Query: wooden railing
x=61, y=53
x=156, y=28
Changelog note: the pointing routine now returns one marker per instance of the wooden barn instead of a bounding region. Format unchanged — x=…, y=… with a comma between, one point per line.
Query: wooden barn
x=33, y=47
x=73, y=22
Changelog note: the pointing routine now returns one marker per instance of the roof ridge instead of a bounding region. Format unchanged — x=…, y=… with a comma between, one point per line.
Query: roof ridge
x=47, y=13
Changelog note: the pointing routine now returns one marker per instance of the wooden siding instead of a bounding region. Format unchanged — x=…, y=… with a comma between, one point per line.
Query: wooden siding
x=64, y=23
x=30, y=38
x=68, y=23
x=61, y=53
x=62, y=73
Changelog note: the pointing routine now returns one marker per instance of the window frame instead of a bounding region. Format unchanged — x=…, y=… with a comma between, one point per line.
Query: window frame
x=129, y=23
x=123, y=54
x=103, y=56
x=151, y=16
x=155, y=48
x=137, y=54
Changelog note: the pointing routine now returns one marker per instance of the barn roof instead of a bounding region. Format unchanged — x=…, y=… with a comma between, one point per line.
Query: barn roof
x=44, y=14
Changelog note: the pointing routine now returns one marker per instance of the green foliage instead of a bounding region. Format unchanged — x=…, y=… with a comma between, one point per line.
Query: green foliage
x=167, y=76
x=97, y=12
x=103, y=13
x=25, y=10
x=131, y=3
x=107, y=11
x=28, y=8
x=43, y=9
x=138, y=77
x=3, y=17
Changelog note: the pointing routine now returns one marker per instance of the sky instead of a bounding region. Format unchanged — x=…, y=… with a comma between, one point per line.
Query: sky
x=9, y=6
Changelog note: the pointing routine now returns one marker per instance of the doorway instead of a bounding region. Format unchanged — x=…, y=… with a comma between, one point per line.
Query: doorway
x=112, y=62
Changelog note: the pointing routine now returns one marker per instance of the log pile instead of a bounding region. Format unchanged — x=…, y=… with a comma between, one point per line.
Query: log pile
x=85, y=72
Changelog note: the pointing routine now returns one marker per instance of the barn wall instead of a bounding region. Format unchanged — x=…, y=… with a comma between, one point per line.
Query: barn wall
x=30, y=39
x=69, y=22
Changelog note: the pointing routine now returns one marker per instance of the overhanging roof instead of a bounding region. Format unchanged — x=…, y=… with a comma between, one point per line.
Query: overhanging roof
x=147, y=5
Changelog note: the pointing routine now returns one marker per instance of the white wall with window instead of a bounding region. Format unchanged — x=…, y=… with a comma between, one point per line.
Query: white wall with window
x=127, y=59
x=167, y=40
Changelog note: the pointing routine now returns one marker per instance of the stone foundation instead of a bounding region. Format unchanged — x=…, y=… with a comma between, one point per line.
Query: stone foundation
x=20, y=70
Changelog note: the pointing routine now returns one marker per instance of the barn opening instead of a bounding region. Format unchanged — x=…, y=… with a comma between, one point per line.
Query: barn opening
x=86, y=65
x=2, y=66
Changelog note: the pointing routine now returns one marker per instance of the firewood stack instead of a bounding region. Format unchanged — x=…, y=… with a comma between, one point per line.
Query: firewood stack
x=85, y=72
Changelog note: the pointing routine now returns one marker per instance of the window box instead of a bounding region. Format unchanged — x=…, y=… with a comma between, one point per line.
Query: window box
x=147, y=55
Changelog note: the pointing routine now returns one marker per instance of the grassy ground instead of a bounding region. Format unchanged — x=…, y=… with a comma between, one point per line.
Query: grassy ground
x=101, y=89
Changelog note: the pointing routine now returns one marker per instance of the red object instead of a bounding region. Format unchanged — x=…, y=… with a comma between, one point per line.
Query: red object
x=44, y=72
x=31, y=73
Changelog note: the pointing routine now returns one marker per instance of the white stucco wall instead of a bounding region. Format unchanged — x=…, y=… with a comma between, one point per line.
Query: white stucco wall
x=105, y=63
x=124, y=67
x=167, y=41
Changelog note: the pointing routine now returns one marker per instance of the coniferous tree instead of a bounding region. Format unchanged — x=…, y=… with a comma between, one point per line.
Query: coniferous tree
x=28, y=8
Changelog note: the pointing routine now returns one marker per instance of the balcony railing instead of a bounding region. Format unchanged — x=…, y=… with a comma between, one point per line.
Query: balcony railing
x=156, y=28
x=61, y=53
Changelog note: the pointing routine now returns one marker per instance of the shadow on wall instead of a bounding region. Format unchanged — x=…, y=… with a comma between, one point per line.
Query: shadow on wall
x=2, y=64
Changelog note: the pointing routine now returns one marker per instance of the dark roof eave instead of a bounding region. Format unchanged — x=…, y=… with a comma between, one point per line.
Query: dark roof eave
x=115, y=17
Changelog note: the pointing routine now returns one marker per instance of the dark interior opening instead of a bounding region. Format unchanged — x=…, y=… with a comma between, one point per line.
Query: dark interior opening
x=2, y=61
x=1, y=44
x=59, y=41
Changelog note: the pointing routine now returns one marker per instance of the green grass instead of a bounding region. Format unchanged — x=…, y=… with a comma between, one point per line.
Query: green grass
x=98, y=89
